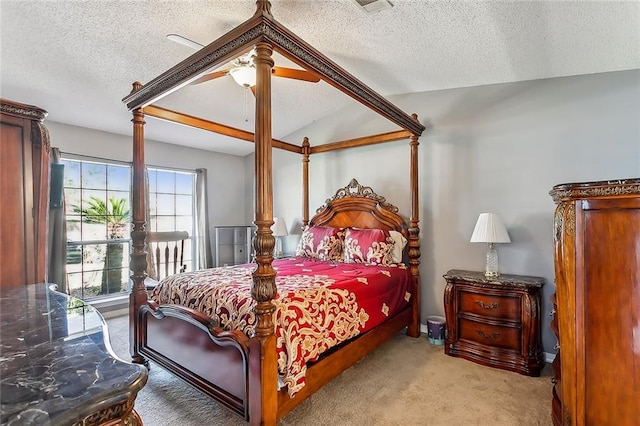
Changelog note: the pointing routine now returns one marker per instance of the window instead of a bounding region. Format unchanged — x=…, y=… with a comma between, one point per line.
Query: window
x=171, y=205
x=97, y=200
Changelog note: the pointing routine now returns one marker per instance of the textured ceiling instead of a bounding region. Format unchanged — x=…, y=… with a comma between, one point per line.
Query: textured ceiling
x=77, y=59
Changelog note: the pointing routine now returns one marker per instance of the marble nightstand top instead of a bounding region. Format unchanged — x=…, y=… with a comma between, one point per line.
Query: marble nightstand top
x=478, y=278
x=55, y=368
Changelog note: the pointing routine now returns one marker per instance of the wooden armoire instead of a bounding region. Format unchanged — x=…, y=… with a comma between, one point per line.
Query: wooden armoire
x=24, y=194
x=597, y=301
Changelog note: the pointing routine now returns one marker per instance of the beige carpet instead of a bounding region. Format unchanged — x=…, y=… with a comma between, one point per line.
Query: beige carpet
x=405, y=382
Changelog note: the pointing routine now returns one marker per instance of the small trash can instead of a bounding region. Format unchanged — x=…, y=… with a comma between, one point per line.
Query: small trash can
x=436, y=330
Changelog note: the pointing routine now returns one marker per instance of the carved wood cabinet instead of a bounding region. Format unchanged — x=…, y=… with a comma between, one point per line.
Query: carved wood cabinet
x=24, y=194
x=494, y=321
x=597, y=268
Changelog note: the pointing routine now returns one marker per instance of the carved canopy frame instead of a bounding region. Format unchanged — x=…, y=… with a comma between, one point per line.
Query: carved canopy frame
x=267, y=35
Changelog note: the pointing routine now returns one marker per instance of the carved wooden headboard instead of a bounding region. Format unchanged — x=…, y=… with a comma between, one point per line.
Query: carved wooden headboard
x=359, y=206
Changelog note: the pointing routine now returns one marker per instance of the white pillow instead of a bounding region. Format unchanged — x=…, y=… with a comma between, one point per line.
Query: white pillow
x=399, y=241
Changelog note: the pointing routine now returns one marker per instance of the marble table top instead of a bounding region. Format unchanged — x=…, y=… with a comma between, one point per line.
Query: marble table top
x=478, y=278
x=56, y=365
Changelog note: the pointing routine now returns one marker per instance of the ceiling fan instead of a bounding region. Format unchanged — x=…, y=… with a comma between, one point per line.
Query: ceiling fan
x=242, y=69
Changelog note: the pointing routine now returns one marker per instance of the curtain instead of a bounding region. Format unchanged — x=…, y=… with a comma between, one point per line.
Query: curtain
x=202, y=221
x=151, y=265
x=57, y=235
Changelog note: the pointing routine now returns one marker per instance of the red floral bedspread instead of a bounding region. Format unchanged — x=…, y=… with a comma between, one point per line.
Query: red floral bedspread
x=318, y=304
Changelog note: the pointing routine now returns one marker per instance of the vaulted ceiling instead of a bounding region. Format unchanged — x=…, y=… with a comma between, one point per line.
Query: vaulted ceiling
x=78, y=59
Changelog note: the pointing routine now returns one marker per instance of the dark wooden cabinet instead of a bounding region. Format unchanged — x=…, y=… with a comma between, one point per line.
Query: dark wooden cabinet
x=597, y=269
x=494, y=321
x=24, y=194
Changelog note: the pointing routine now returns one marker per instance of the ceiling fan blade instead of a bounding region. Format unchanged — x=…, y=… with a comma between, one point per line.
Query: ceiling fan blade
x=185, y=41
x=296, y=74
x=211, y=76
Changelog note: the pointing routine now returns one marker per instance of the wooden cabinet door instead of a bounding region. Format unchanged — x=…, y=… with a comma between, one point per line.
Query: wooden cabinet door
x=608, y=314
x=17, y=222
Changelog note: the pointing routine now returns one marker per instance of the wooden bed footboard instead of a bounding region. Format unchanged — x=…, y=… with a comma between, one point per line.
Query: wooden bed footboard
x=193, y=347
x=226, y=365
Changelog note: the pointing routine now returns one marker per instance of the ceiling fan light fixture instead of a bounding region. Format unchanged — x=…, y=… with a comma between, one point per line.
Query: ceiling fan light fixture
x=244, y=75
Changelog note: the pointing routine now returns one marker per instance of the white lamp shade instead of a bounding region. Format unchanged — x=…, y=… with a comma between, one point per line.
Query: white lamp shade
x=244, y=75
x=279, y=228
x=490, y=229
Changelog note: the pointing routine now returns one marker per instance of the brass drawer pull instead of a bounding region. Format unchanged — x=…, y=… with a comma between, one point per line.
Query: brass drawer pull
x=487, y=307
x=493, y=335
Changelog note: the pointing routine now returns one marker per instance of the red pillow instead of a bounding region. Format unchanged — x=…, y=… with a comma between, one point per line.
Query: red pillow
x=368, y=246
x=322, y=243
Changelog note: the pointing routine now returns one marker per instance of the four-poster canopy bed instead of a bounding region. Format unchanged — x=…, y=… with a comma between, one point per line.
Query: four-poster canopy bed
x=237, y=368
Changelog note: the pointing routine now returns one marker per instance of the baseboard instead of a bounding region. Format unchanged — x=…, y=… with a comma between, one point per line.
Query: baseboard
x=548, y=357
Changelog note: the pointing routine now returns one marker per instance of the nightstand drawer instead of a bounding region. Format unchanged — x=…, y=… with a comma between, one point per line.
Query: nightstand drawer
x=502, y=307
x=490, y=335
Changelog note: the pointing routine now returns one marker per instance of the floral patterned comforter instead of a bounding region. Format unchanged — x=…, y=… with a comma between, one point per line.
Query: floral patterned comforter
x=318, y=304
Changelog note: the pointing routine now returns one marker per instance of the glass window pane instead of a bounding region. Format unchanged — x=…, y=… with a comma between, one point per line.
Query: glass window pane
x=184, y=223
x=165, y=223
x=165, y=204
x=71, y=200
x=94, y=202
x=187, y=250
x=119, y=206
x=91, y=283
x=166, y=181
x=94, y=175
x=71, y=173
x=118, y=178
x=119, y=230
x=153, y=224
x=153, y=210
x=184, y=183
x=74, y=228
x=74, y=257
x=153, y=180
x=94, y=231
x=112, y=281
x=74, y=283
x=184, y=205
x=94, y=256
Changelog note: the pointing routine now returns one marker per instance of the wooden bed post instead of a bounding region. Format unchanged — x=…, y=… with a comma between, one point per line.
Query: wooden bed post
x=263, y=289
x=414, y=237
x=138, y=259
x=306, y=150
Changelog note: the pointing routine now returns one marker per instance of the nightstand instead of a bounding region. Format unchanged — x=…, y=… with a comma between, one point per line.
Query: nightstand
x=494, y=321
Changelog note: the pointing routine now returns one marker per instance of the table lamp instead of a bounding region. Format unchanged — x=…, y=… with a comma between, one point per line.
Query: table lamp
x=279, y=230
x=490, y=229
